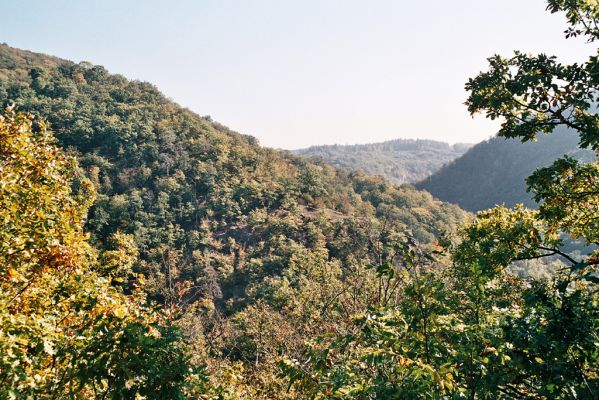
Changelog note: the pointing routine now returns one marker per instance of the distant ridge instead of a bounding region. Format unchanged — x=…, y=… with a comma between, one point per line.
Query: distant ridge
x=400, y=160
x=494, y=171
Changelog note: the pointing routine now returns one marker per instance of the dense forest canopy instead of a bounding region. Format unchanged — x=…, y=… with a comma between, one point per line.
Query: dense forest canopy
x=146, y=252
x=231, y=237
x=399, y=161
x=494, y=172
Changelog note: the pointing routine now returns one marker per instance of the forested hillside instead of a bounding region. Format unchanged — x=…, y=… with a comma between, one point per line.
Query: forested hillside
x=257, y=248
x=399, y=161
x=495, y=171
x=149, y=253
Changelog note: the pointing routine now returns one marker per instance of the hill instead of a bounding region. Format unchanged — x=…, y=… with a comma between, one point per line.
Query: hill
x=494, y=171
x=254, y=249
x=400, y=161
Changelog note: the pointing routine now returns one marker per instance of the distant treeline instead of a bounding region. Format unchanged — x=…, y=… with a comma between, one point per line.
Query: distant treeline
x=400, y=161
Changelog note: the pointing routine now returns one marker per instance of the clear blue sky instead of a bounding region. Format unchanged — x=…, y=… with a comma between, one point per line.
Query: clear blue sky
x=303, y=72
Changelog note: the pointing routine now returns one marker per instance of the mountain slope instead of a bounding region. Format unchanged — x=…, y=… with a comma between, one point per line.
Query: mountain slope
x=257, y=248
x=400, y=161
x=494, y=171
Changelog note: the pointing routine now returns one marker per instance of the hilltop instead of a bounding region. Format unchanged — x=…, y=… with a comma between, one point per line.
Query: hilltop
x=399, y=161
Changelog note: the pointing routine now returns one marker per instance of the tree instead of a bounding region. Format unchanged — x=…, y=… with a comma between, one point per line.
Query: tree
x=554, y=338
x=65, y=331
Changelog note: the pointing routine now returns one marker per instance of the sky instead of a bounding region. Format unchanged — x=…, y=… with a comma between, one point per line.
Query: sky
x=303, y=72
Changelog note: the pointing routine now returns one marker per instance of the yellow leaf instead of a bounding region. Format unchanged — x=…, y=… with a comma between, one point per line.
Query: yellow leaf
x=12, y=273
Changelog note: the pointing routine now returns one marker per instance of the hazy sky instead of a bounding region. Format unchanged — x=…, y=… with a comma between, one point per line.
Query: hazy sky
x=303, y=72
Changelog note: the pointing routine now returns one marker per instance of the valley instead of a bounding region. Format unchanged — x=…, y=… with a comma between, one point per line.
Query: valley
x=147, y=252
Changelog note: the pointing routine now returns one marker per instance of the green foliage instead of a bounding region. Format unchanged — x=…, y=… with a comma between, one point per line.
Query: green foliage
x=568, y=192
x=551, y=332
x=471, y=330
x=118, y=259
x=257, y=250
x=499, y=236
x=582, y=17
x=442, y=340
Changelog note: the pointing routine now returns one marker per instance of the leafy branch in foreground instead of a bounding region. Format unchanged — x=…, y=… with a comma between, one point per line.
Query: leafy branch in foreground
x=534, y=94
